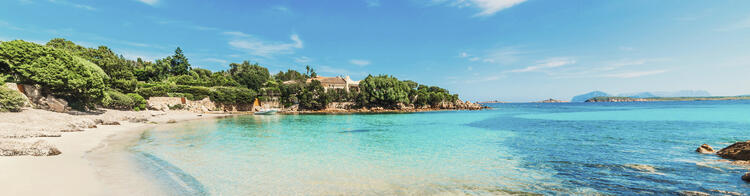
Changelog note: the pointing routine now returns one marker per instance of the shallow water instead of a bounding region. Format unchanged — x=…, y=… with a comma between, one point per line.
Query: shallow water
x=565, y=148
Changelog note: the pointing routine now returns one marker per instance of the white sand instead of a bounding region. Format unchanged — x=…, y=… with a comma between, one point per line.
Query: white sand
x=72, y=172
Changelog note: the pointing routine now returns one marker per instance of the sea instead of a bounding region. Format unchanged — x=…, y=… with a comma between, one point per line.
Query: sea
x=632, y=148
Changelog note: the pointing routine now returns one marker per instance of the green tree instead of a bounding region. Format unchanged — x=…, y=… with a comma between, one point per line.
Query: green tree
x=178, y=64
x=313, y=96
x=384, y=91
x=120, y=70
x=63, y=74
x=252, y=76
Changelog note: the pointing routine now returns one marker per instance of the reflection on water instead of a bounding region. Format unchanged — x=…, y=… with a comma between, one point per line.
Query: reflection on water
x=516, y=149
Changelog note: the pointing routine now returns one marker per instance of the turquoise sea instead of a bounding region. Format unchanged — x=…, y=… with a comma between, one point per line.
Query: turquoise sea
x=551, y=149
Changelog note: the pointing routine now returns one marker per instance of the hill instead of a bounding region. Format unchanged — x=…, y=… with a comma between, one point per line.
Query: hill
x=587, y=96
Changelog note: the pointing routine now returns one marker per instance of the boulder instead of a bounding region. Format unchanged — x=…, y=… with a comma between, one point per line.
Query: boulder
x=736, y=151
x=110, y=123
x=746, y=177
x=57, y=105
x=705, y=149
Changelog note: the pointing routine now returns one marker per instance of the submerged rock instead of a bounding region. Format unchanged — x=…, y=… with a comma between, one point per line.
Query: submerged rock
x=705, y=149
x=736, y=151
x=746, y=177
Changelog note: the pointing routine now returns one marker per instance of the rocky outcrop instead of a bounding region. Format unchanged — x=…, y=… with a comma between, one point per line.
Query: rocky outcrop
x=736, y=151
x=165, y=103
x=617, y=99
x=19, y=148
x=746, y=177
x=550, y=101
x=705, y=149
x=38, y=99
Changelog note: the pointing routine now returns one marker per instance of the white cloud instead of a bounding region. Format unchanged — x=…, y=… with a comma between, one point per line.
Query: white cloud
x=215, y=60
x=373, y=3
x=550, y=63
x=505, y=55
x=486, y=7
x=236, y=33
x=258, y=47
x=302, y=59
x=359, y=62
x=76, y=5
x=150, y=2
x=738, y=25
x=633, y=74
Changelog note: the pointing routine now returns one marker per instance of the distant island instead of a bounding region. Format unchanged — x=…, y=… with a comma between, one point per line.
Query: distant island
x=550, y=101
x=632, y=99
x=676, y=95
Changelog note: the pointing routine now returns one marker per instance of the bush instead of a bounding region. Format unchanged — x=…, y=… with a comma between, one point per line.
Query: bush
x=117, y=100
x=233, y=95
x=176, y=107
x=10, y=100
x=139, y=103
x=66, y=76
x=159, y=90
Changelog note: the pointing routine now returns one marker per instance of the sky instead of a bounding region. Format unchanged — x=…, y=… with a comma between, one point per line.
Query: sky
x=508, y=50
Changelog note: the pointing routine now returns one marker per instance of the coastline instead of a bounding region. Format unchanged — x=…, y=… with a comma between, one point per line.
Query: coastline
x=85, y=165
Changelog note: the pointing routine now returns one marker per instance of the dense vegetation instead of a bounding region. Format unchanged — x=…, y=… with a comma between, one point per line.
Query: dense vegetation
x=90, y=77
x=10, y=100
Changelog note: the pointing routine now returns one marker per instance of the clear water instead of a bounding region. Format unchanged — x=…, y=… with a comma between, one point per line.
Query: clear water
x=566, y=148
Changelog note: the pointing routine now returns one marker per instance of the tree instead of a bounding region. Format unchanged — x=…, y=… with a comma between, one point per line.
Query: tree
x=313, y=96
x=63, y=74
x=252, y=76
x=178, y=64
x=120, y=70
x=384, y=91
x=289, y=75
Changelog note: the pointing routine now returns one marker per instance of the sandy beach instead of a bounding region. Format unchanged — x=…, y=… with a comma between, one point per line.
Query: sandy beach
x=79, y=169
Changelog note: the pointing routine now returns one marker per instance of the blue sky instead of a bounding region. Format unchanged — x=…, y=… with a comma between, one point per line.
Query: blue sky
x=512, y=50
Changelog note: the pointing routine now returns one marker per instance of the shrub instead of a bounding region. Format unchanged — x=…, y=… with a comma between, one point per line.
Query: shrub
x=117, y=100
x=78, y=80
x=233, y=95
x=159, y=90
x=10, y=100
x=176, y=107
x=139, y=103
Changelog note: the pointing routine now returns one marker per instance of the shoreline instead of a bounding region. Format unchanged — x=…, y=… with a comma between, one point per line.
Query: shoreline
x=82, y=167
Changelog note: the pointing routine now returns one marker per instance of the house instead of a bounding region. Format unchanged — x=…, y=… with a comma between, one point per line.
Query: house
x=336, y=83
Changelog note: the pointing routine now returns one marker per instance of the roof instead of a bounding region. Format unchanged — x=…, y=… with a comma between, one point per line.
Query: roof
x=328, y=80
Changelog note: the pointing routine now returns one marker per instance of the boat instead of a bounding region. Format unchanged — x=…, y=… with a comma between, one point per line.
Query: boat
x=266, y=112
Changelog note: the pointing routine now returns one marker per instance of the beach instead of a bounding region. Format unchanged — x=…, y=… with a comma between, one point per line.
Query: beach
x=73, y=172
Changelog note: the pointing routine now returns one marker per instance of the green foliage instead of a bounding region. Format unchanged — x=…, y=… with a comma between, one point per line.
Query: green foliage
x=152, y=72
x=64, y=75
x=313, y=97
x=178, y=64
x=139, y=103
x=233, y=95
x=289, y=75
x=10, y=100
x=252, y=76
x=384, y=91
x=119, y=69
x=117, y=100
x=176, y=107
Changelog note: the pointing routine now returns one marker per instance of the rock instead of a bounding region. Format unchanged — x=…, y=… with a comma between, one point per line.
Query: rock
x=171, y=121
x=17, y=148
x=135, y=119
x=57, y=105
x=111, y=123
x=726, y=192
x=98, y=121
x=71, y=130
x=746, y=177
x=84, y=123
x=736, y=151
x=705, y=149
x=694, y=193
